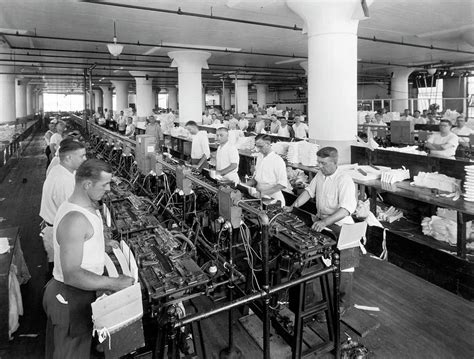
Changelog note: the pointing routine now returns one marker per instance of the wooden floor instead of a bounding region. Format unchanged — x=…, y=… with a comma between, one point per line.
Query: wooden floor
x=418, y=319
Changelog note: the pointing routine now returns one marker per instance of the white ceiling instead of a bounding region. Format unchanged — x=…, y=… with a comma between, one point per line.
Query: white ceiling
x=86, y=27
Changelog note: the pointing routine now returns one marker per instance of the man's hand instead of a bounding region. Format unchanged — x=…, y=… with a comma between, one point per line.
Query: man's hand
x=111, y=244
x=288, y=209
x=319, y=225
x=122, y=282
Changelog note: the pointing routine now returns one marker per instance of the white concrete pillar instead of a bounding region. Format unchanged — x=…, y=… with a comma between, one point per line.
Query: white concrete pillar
x=262, y=90
x=121, y=95
x=203, y=96
x=399, y=88
x=332, y=70
x=241, y=95
x=98, y=100
x=144, y=102
x=107, y=98
x=34, y=98
x=29, y=100
x=20, y=97
x=7, y=95
x=189, y=64
x=226, y=96
x=173, y=98
x=40, y=101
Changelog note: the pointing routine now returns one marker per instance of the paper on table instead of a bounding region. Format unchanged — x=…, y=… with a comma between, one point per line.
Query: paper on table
x=364, y=307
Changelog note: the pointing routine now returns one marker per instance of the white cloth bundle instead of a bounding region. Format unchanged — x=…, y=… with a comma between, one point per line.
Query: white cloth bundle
x=180, y=132
x=442, y=229
x=246, y=143
x=292, y=155
x=437, y=181
x=407, y=149
x=451, y=115
x=307, y=153
x=280, y=148
x=395, y=175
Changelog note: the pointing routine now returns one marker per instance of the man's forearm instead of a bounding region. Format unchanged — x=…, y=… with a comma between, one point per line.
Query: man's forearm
x=301, y=200
x=228, y=169
x=270, y=190
x=336, y=216
x=86, y=280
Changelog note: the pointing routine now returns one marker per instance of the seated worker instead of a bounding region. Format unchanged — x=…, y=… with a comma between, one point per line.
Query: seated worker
x=378, y=120
x=215, y=120
x=153, y=128
x=300, y=129
x=121, y=123
x=130, y=129
x=270, y=171
x=431, y=119
x=243, y=122
x=206, y=118
x=274, y=125
x=406, y=116
x=417, y=119
x=200, y=151
x=462, y=130
x=335, y=196
x=260, y=125
x=443, y=143
x=79, y=247
x=233, y=122
x=285, y=130
x=227, y=157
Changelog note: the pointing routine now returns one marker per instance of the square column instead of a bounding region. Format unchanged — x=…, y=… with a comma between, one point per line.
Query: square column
x=7, y=96
x=121, y=95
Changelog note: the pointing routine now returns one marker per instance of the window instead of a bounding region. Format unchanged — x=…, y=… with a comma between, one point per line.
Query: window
x=470, y=95
x=431, y=95
x=55, y=102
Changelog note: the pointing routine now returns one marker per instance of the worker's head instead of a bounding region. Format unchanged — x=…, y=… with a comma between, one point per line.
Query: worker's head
x=52, y=126
x=406, y=112
x=416, y=114
x=72, y=153
x=460, y=121
x=367, y=118
x=222, y=135
x=378, y=117
x=444, y=126
x=242, y=115
x=192, y=127
x=60, y=127
x=130, y=120
x=297, y=119
x=93, y=178
x=263, y=143
x=214, y=117
x=152, y=120
x=327, y=160
x=121, y=113
x=273, y=118
x=283, y=121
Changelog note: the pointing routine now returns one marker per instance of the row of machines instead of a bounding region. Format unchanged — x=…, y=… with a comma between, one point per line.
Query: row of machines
x=193, y=237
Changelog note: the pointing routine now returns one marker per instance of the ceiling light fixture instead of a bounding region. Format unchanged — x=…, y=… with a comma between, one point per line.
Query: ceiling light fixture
x=115, y=49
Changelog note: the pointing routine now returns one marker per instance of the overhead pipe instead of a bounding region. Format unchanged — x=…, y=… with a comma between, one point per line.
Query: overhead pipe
x=150, y=45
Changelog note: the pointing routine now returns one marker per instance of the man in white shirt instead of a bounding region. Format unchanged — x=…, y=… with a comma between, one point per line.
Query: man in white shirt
x=285, y=130
x=335, y=196
x=406, y=116
x=215, y=120
x=260, y=125
x=206, y=118
x=444, y=143
x=200, y=151
x=462, y=131
x=300, y=129
x=56, y=138
x=153, y=128
x=58, y=186
x=233, y=122
x=275, y=125
x=417, y=119
x=270, y=171
x=227, y=157
x=243, y=123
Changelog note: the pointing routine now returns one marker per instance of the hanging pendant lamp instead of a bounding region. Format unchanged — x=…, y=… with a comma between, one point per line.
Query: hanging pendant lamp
x=115, y=49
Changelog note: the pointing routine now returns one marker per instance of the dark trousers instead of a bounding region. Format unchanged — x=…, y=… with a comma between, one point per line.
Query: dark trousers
x=47, y=152
x=69, y=326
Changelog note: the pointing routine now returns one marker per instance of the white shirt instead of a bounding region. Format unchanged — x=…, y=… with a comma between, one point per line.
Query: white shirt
x=56, y=139
x=275, y=126
x=465, y=131
x=260, y=127
x=333, y=192
x=301, y=131
x=284, y=131
x=243, y=124
x=200, y=146
x=452, y=140
x=57, y=188
x=206, y=120
x=54, y=162
x=271, y=170
x=225, y=156
x=47, y=138
x=419, y=121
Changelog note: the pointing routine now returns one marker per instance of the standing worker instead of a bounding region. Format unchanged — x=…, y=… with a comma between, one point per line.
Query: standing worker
x=270, y=171
x=47, y=139
x=336, y=200
x=56, y=138
x=200, y=151
x=57, y=188
x=153, y=128
x=79, y=260
x=227, y=157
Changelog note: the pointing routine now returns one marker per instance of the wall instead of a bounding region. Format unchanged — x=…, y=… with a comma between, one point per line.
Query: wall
x=370, y=91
